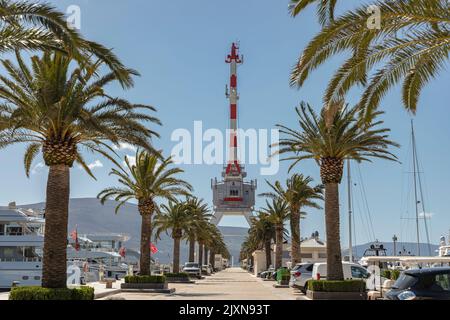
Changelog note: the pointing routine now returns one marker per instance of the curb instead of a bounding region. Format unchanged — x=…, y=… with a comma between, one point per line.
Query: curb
x=106, y=293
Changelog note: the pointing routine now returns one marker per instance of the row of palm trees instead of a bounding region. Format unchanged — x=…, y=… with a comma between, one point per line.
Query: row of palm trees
x=328, y=141
x=189, y=221
x=150, y=180
x=411, y=46
x=57, y=103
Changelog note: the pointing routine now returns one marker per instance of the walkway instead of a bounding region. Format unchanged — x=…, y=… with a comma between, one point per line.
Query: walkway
x=230, y=284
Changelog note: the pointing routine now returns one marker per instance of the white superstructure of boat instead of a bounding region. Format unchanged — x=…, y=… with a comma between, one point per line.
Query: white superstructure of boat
x=21, y=245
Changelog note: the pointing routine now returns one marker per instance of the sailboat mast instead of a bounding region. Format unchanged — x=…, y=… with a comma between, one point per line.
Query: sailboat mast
x=415, y=186
x=350, y=240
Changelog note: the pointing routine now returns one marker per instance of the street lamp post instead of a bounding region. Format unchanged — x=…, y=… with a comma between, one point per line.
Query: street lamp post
x=394, y=239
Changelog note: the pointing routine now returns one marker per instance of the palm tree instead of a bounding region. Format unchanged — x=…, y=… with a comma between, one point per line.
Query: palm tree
x=263, y=231
x=247, y=248
x=146, y=181
x=38, y=26
x=214, y=240
x=60, y=112
x=199, y=213
x=325, y=9
x=174, y=217
x=329, y=141
x=217, y=246
x=203, y=235
x=298, y=194
x=277, y=213
x=412, y=46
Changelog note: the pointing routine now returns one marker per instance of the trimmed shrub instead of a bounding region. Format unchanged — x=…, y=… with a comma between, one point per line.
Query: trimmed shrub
x=145, y=279
x=386, y=274
x=39, y=293
x=337, y=286
x=395, y=274
x=176, y=275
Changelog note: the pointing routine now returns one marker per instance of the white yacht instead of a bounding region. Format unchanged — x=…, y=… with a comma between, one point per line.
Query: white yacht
x=444, y=248
x=100, y=251
x=21, y=245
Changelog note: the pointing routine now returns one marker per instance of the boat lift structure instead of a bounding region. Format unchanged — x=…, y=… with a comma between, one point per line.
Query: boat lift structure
x=233, y=195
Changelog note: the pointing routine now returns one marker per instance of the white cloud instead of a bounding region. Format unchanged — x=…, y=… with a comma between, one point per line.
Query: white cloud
x=96, y=164
x=124, y=146
x=427, y=215
x=37, y=168
x=131, y=160
x=93, y=165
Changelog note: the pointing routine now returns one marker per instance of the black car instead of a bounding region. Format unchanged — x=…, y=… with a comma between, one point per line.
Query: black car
x=422, y=284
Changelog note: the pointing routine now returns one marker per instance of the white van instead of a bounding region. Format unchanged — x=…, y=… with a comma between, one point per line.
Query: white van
x=351, y=271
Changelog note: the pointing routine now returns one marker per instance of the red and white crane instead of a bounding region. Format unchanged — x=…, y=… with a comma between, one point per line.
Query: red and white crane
x=233, y=195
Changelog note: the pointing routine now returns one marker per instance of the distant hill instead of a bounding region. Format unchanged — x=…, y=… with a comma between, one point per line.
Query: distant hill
x=92, y=217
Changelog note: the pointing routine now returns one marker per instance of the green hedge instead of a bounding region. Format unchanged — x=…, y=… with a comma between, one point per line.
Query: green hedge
x=386, y=274
x=39, y=293
x=395, y=274
x=145, y=279
x=337, y=286
x=176, y=275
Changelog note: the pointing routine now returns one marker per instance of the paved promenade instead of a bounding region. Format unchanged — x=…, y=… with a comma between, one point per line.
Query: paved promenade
x=230, y=284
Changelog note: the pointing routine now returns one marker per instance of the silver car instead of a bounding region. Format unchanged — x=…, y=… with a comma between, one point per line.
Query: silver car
x=192, y=269
x=300, y=274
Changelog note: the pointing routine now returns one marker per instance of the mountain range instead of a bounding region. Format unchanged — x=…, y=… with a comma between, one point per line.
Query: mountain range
x=89, y=216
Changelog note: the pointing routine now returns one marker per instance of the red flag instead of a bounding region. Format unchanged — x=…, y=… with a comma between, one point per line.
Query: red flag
x=122, y=252
x=153, y=249
x=74, y=235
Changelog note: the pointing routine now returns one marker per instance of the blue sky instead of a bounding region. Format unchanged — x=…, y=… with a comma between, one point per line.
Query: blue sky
x=179, y=48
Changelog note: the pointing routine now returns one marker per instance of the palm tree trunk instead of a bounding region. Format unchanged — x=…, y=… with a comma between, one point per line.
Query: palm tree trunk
x=54, y=269
x=279, y=246
x=192, y=249
x=268, y=252
x=205, y=258
x=200, y=253
x=334, y=259
x=212, y=259
x=176, y=254
x=146, y=233
x=295, y=236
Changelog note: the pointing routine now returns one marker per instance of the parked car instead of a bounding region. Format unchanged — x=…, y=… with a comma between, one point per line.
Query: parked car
x=206, y=270
x=267, y=274
x=300, y=274
x=351, y=271
x=192, y=269
x=422, y=284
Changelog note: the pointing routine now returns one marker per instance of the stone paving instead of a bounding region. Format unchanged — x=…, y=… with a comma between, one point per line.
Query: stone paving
x=230, y=284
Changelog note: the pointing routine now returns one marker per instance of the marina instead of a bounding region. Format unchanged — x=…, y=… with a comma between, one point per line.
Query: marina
x=321, y=175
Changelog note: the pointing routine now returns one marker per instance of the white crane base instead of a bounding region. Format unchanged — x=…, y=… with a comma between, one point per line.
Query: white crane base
x=218, y=215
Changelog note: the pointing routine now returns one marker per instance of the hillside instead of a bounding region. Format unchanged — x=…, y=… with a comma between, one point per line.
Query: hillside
x=91, y=217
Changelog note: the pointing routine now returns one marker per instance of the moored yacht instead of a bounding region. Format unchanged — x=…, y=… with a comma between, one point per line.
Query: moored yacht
x=21, y=245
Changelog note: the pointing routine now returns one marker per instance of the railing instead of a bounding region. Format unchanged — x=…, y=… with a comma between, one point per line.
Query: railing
x=21, y=259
